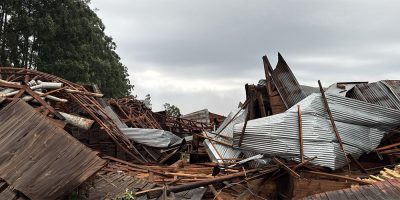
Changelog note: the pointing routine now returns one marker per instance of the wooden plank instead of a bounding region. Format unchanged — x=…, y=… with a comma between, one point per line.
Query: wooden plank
x=387, y=190
x=379, y=186
x=366, y=192
x=339, y=177
x=350, y=194
x=358, y=194
x=342, y=195
x=332, y=195
x=395, y=183
x=378, y=193
x=324, y=196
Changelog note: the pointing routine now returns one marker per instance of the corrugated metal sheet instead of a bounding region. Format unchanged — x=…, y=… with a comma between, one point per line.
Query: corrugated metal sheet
x=385, y=190
x=114, y=117
x=309, y=90
x=341, y=89
x=202, y=116
x=152, y=137
x=39, y=159
x=216, y=151
x=286, y=83
x=361, y=126
x=306, y=89
x=227, y=130
x=376, y=93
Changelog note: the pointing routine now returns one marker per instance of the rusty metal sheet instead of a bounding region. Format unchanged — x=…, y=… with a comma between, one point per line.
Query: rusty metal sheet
x=286, y=83
x=79, y=100
x=39, y=159
x=384, y=190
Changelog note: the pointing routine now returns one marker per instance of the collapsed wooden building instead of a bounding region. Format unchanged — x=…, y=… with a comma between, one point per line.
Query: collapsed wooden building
x=61, y=140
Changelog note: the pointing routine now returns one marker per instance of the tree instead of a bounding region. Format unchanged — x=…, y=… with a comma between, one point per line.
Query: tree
x=65, y=38
x=172, y=110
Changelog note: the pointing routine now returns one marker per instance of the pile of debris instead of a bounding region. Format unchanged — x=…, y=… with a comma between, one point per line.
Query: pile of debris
x=61, y=140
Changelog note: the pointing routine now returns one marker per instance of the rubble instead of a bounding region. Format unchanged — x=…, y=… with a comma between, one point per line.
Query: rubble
x=61, y=140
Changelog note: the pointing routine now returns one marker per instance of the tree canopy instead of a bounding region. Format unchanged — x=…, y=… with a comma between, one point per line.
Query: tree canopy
x=61, y=37
x=172, y=110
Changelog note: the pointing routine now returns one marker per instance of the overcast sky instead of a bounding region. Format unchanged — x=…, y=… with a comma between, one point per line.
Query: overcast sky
x=200, y=53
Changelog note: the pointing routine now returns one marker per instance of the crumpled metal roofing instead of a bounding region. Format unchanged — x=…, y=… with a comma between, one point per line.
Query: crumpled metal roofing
x=361, y=126
x=227, y=130
x=381, y=93
x=217, y=151
x=39, y=159
x=286, y=83
x=152, y=137
x=307, y=90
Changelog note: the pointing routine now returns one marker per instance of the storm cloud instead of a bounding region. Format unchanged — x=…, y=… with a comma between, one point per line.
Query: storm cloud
x=199, y=54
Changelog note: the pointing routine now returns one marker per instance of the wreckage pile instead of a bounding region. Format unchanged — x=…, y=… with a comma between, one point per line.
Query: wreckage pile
x=61, y=140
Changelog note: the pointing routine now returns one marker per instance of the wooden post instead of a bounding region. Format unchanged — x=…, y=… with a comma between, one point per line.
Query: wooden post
x=244, y=127
x=333, y=123
x=300, y=134
x=338, y=177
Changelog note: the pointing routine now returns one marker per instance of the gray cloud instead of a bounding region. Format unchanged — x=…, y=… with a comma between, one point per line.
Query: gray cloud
x=201, y=42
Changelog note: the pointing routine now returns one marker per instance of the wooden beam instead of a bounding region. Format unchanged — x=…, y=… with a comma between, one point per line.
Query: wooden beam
x=290, y=171
x=44, y=103
x=268, y=70
x=304, y=163
x=188, y=186
x=338, y=177
x=300, y=134
x=244, y=127
x=387, y=147
x=19, y=94
x=53, y=91
x=328, y=110
x=296, y=167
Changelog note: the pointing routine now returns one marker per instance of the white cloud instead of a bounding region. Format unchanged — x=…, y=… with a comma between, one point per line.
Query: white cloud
x=200, y=54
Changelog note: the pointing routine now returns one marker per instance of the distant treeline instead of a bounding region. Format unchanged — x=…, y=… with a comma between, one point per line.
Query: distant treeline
x=61, y=37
